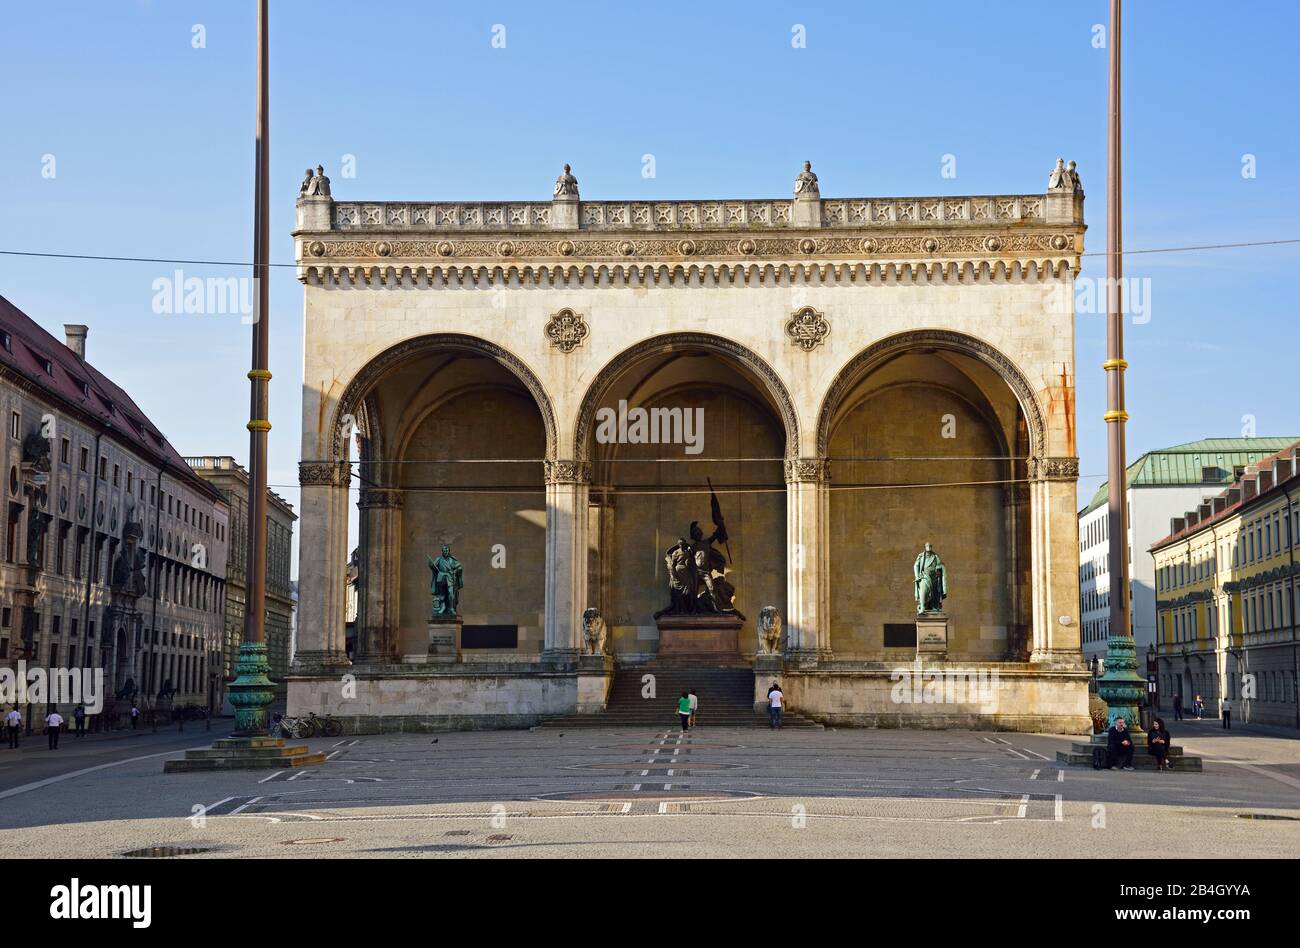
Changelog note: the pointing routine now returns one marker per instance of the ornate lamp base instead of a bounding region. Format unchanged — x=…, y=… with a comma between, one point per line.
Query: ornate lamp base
x=1121, y=687
x=251, y=692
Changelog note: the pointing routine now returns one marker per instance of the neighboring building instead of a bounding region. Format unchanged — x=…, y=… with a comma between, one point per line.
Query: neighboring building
x=352, y=612
x=115, y=552
x=231, y=479
x=868, y=374
x=1161, y=484
x=1226, y=581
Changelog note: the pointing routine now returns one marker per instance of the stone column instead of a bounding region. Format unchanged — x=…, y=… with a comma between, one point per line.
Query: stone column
x=808, y=555
x=381, y=515
x=567, y=487
x=322, y=566
x=1055, y=561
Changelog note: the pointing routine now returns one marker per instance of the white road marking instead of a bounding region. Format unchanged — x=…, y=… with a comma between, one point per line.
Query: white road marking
x=627, y=807
x=272, y=777
x=36, y=785
x=1034, y=775
x=213, y=806
x=1012, y=750
x=636, y=787
x=670, y=773
x=1060, y=776
x=1035, y=753
x=663, y=807
x=1024, y=806
x=645, y=773
x=1057, y=810
x=239, y=810
x=299, y=774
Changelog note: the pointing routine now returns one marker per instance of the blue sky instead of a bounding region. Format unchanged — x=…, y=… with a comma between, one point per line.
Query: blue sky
x=151, y=141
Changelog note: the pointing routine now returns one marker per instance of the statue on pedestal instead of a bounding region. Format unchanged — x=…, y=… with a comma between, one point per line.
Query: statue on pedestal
x=447, y=581
x=697, y=581
x=593, y=630
x=769, y=631
x=931, y=580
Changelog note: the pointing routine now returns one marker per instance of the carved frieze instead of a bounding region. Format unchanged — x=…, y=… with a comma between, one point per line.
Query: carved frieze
x=568, y=472
x=324, y=473
x=807, y=470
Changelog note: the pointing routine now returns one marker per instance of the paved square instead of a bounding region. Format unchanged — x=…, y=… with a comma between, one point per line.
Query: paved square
x=656, y=793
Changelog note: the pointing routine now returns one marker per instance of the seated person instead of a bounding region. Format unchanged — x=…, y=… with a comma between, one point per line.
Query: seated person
x=1119, y=746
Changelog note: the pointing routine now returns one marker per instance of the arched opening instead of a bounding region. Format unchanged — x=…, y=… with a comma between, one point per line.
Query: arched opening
x=669, y=425
x=451, y=437
x=927, y=444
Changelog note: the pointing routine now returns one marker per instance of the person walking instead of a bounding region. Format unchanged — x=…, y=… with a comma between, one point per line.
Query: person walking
x=1178, y=707
x=135, y=715
x=1158, y=743
x=695, y=705
x=1119, y=746
x=79, y=716
x=53, y=725
x=775, y=701
x=684, y=711
x=1198, y=705
x=1227, y=714
x=13, y=725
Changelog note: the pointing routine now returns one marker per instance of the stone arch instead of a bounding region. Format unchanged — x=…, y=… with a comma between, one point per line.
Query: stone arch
x=880, y=352
x=677, y=341
x=353, y=400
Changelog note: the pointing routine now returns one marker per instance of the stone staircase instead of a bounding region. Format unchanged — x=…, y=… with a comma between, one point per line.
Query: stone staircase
x=1080, y=755
x=726, y=696
x=245, y=753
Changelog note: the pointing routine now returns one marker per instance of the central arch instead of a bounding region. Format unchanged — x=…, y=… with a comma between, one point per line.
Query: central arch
x=685, y=342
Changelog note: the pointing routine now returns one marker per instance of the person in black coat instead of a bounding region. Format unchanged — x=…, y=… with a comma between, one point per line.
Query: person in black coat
x=1158, y=741
x=1119, y=746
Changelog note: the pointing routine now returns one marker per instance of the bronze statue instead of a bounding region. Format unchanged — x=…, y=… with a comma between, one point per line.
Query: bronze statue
x=931, y=579
x=447, y=582
x=697, y=581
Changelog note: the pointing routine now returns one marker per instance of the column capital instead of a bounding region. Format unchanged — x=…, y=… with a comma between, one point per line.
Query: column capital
x=567, y=472
x=802, y=470
x=1054, y=469
x=324, y=473
x=380, y=497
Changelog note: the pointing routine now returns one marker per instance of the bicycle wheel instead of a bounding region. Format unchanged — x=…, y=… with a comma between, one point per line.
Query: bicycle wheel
x=332, y=728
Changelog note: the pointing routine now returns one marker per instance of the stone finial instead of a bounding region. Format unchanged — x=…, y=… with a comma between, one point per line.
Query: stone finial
x=805, y=185
x=566, y=186
x=314, y=184
x=1064, y=177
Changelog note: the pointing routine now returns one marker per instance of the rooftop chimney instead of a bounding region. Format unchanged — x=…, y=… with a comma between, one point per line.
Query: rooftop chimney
x=76, y=338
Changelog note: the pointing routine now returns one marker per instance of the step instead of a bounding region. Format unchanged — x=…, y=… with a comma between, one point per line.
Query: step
x=1140, y=761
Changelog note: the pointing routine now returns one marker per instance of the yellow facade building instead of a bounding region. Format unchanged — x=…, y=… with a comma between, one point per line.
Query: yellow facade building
x=1226, y=597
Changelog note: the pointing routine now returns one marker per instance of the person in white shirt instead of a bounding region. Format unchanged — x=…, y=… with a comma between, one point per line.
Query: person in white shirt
x=53, y=725
x=695, y=703
x=775, y=701
x=13, y=725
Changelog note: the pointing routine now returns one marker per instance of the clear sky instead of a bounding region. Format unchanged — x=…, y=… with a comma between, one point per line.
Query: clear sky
x=125, y=130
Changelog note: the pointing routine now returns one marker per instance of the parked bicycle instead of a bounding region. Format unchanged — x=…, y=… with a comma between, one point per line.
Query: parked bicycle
x=303, y=728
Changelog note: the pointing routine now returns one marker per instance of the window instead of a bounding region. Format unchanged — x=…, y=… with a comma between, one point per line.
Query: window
x=64, y=447
x=103, y=468
x=85, y=458
x=15, y=425
x=117, y=471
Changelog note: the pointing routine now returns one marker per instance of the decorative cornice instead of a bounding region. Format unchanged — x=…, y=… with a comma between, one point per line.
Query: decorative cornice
x=808, y=470
x=567, y=472
x=324, y=473
x=423, y=273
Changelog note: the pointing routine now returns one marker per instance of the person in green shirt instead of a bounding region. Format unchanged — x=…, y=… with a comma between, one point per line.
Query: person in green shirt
x=684, y=711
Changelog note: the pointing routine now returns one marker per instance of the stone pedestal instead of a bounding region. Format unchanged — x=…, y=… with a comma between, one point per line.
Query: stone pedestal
x=705, y=637
x=932, y=636
x=595, y=675
x=444, y=639
x=767, y=669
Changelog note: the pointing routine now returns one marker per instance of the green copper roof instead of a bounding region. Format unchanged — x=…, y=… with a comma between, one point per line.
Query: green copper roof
x=1184, y=464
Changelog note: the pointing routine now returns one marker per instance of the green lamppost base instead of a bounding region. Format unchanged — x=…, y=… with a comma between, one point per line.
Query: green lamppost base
x=1121, y=687
x=251, y=692
x=250, y=748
